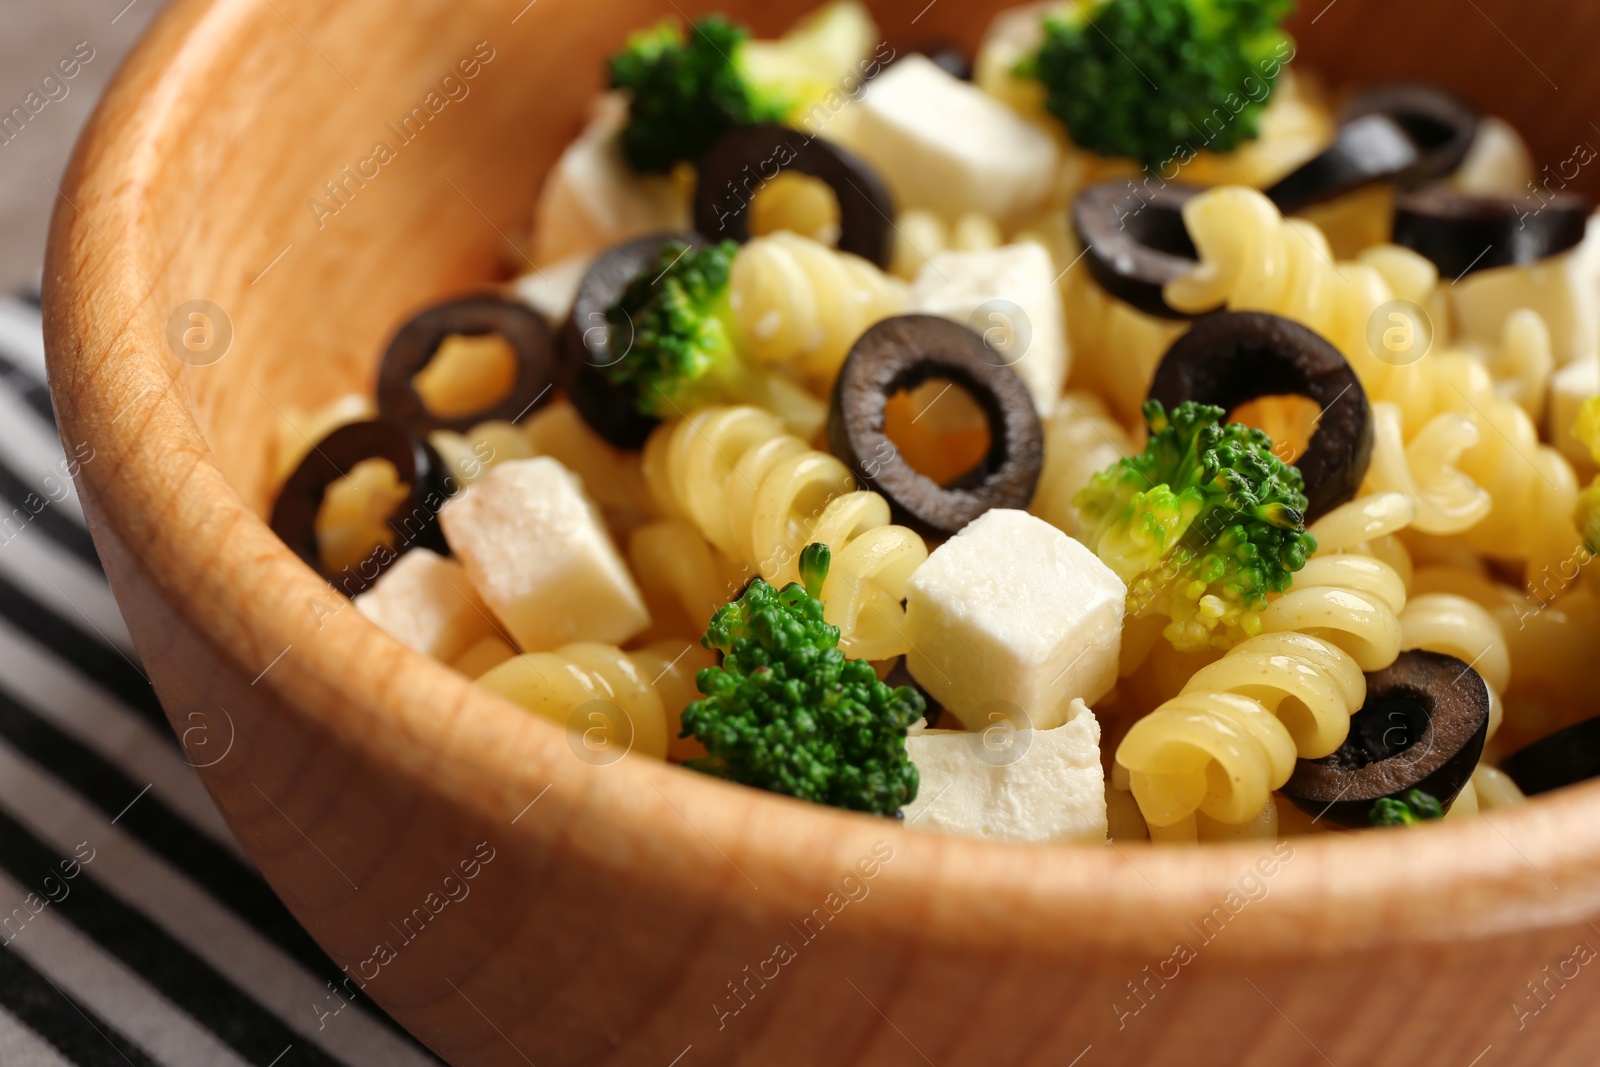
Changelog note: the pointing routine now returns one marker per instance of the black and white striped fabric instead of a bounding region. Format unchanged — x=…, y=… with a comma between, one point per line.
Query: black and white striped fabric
x=135, y=930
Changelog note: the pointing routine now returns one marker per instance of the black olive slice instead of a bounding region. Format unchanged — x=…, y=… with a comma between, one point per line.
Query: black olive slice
x=1422, y=727
x=1565, y=758
x=1366, y=150
x=418, y=341
x=1441, y=125
x=1135, y=241
x=585, y=340
x=1463, y=234
x=901, y=353
x=747, y=157
x=415, y=521
x=1231, y=357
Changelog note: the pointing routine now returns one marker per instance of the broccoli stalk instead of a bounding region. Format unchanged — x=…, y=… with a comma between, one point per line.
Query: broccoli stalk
x=674, y=340
x=1150, y=78
x=788, y=713
x=1587, y=517
x=1407, y=810
x=687, y=92
x=1202, y=525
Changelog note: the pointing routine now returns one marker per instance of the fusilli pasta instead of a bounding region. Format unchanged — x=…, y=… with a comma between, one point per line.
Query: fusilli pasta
x=760, y=496
x=597, y=689
x=802, y=304
x=1080, y=440
x=920, y=235
x=1231, y=737
x=1254, y=259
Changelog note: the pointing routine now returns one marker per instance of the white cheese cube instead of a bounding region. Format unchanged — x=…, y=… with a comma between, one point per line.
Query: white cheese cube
x=1569, y=388
x=1497, y=163
x=1564, y=290
x=1008, y=295
x=1012, y=617
x=947, y=146
x=1028, y=785
x=541, y=558
x=428, y=603
x=592, y=199
x=551, y=289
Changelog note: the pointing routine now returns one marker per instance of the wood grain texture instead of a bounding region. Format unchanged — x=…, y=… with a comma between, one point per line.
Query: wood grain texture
x=621, y=909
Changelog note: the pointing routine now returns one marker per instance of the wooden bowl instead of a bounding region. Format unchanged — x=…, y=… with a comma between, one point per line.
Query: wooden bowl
x=636, y=913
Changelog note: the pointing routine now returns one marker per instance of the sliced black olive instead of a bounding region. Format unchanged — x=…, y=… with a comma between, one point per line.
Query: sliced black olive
x=747, y=157
x=418, y=342
x=1565, y=758
x=415, y=522
x=1462, y=234
x=1231, y=357
x=1441, y=125
x=1366, y=150
x=1135, y=240
x=901, y=353
x=1422, y=727
x=586, y=340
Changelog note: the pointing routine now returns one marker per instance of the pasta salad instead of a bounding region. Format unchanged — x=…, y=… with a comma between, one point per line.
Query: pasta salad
x=997, y=444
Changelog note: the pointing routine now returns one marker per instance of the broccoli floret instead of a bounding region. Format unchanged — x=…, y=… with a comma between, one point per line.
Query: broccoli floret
x=1407, y=810
x=672, y=331
x=788, y=713
x=1148, y=78
x=1587, y=518
x=687, y=92
x=1202, y=525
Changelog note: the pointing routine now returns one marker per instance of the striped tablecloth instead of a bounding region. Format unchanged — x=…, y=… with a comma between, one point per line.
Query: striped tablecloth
x=136, y=932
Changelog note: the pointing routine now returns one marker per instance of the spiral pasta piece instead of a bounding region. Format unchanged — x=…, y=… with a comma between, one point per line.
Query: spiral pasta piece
x=1116, y=348
x=1459, y=627
x=598, y=690
x=760, y=495
x=921, y=235
x=1080, y=440
x=1221, y=754
x=1311, y=685
x=683, y=578
x=1446, y=500
x=802, y=304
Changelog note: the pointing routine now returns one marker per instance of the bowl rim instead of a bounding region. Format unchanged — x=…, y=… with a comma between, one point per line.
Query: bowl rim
x=1534, y=866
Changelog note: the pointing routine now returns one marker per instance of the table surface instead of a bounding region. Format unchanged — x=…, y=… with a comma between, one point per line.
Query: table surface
x=35, y=35
x=136, y=933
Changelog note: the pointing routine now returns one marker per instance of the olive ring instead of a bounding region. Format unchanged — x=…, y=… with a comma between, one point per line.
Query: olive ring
x=418, y=341
x=416, y=520
x=746, y=157
x=1231, y=357
x=586, y=340
x=899, y=354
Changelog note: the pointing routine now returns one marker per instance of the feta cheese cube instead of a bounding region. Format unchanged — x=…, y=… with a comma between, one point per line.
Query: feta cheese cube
x=1569, y=388
x=1012, y=617
x=1031, y=785
x=551, y=289
x=1564, y=290
x=1010, y=296
x=427, y=603
x=541, y=558
x=947, y=146
x=592, y=199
